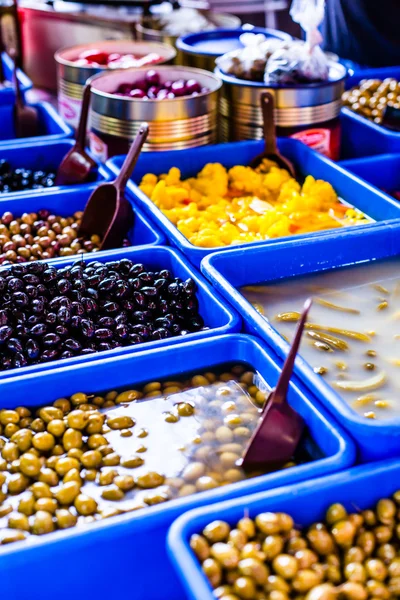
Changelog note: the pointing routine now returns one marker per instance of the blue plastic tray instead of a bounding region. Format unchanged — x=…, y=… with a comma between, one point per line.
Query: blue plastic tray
x=51, y=126
x=220, y=41
x=217, y=314
x=306, y=161
x=230, y=270
x=307, y=502
x=128, y=552
x=361, y=137
x=65, y=201
x=382, y=171
x=45, y=156
x=7, y=95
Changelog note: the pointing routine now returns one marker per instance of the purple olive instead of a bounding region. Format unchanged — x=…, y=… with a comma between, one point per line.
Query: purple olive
x=152, y=77
x=192, y=86
x=136, y=93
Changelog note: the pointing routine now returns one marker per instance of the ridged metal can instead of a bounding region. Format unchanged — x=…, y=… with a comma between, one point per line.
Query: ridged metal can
x=147, y=30
x=71, y=77
x=304, y=111
x=175, y=124
x=202, y=49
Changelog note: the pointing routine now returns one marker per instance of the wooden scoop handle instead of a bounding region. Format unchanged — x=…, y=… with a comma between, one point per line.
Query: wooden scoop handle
x=280, y=392
x=267, y=107
x=132, y=157
x=82, y=127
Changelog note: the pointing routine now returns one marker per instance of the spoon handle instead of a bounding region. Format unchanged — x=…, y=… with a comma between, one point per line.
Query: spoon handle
x=267, y=107
x=280, y=392
x=132, y=157
x=82, y=127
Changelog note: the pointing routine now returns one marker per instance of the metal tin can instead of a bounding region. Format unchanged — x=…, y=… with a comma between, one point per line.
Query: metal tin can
x=147, y=30
x=202, y=49
x=175, y=124
x=308, y=112
x=72, y=77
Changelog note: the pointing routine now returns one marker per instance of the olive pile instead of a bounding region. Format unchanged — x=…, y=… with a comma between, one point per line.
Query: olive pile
x=19, y=180
x=42, y=235
x=371, y=96
x=90, y=457
x=48, y=314
x=349, y=556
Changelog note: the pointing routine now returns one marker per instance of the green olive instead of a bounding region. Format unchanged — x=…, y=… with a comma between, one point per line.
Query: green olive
x=112, y=492
x=29, y=464
x=85, y=505
x=200, y=547
x=226, y=555
x=65, y=519
x=42, y=523
x=217, y=531
x=152, y=479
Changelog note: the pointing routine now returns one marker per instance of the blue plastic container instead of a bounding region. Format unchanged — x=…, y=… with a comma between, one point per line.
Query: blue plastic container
x=382, y=171
x=358, y=489
x=266, y=263
x=7, y=95
x=51, y=126
x=217, y=314
x=129, y=552
x=361, y=137
x=214, y=43
x=45, y=156
x=306, y=161
x=65, y=201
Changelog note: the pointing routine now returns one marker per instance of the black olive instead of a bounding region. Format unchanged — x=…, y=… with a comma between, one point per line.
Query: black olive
x=122, y=331
x=160, y=284
x=125, y=266
x=31, y=279
x=72, y=344
x=14, y=345
x=67, y=354
x=15, y=284
x=77, y=309
x=174, y=290
x=87, y=328
x=32, y=349
x=134, y=338
x=3, y=318
x=160, y=334
x=65, y=272
x=48, y=355
x=121, y=318
x=19, y=360
x=122, y=289
x=64, y=315
x=107, y=285
x=31, y=291
x=50, y=274
x=42, y=290
x=89, y=305
x=111, y=307
x=5, y=333
x=189, y=287
x=135, y=283
x=51, y=339
x=76, y=321
x=51, y=318
x=37, y=268
x=151, y=305
x=87, y=351
x=64, y=286
x=104, y=346
x=21, y=331
x=140, y=298
x=3, y=284
x=79, y=284
x=39, y=329
x=103, y=334
x=135, y=270
x=34, y=320
x=106, y=322
x=195, y=323
x=142, y=330
x=149, y=291
x=62, y=331
x=128, y=305
x=92, y=293
x=37, y=306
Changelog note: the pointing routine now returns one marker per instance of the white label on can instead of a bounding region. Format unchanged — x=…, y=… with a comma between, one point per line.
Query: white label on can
x=69, y=109
x=97, y=147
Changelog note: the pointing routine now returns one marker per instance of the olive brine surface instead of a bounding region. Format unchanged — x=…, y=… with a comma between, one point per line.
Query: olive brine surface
x=48, y=314
x=352, y=336
x=90, y=457
x=348, y=556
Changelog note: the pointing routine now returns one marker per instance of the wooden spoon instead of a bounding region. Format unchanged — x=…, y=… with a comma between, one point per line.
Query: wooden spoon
x=77, y=164
x=277, y=435
x=108, y=213
x=271, y=151
x=26, y=118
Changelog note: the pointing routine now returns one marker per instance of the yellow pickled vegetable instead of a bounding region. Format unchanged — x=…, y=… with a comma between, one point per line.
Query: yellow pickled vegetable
x=221, y=207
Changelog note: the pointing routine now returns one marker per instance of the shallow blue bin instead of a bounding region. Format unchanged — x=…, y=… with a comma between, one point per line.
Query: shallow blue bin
x=382, y=171
x=51, y=126
x=306, y=161
x=266, y=263
x=218, y=316
x=126, y=556
x=45, y=156
x=214, y=43
x=7, y=95
x=65, y=201
x=358, y=489
x=361, y=137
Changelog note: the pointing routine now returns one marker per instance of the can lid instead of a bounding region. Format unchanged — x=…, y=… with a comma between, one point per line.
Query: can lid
x=220, y=41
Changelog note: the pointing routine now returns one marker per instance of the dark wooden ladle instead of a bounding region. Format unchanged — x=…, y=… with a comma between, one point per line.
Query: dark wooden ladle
x=77, y=163
x=279, y=431
x=108, y=213
x=271, y=151
x=26, y=118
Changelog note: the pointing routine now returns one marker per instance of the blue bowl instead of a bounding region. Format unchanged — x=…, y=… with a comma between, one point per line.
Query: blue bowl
x=45, y=156
x=361, y=137
x=358, y=489
x=217, y=315
x=306, y=161
x=51, y=126
x=216, y=42
x=65, y=201
x=129, y=551
x=7, y=94
x=266, y=263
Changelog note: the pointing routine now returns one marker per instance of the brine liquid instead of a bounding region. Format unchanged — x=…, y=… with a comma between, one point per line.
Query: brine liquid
x=364, y=369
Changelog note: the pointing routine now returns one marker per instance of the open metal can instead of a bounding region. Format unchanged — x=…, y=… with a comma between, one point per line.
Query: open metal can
x=308, y=112
x=72, y=76
x=149, y=29
x=175, y=124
